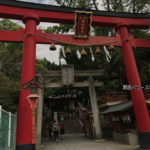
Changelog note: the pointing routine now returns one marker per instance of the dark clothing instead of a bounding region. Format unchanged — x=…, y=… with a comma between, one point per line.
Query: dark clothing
x=55, y=135
x=61, y=131
x=62, y=128
x=50, y=133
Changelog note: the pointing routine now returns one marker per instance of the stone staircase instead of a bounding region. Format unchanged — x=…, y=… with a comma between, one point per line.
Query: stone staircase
x=72, y=126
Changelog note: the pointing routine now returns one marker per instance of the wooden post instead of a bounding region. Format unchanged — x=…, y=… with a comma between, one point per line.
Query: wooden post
x=139, y=105
x=24, y=121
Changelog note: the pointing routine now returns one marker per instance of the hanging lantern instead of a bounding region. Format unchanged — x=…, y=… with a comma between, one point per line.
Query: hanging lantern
x=98, y=50
x=52, y=47
x=83, y=52
x=68, y=51
x=111, y=47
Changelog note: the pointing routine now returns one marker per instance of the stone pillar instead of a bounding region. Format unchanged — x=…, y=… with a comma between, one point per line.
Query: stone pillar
x=39, y=114
x=95, y=110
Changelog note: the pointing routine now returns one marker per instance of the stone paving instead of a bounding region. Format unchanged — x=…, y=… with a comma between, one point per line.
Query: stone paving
x=79, y=142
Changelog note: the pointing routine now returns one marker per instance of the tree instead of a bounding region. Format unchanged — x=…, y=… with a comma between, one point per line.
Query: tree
x=134, y=6
x=10, y=56
x=9, y=91
x=88, y=4
x=114, y=77
x=142, y=60
x=10, y=68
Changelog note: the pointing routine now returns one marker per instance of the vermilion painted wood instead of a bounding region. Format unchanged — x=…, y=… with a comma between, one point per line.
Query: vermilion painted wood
x=8, y=36
x=24, y=124
x=12, y=12
x=141, y=113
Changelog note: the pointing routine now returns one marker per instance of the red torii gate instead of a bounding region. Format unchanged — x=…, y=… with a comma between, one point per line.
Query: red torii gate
x=32, y=14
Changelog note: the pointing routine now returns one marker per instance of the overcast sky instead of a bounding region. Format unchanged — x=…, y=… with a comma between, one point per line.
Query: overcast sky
x=43, y=49
x=51, y=2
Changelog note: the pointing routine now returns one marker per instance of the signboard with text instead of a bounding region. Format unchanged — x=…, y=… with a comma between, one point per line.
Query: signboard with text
x=67, y=75
x=83, y=21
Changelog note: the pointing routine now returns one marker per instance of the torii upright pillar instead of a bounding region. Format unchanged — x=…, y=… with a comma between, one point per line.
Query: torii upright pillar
x=141, y=113
x=24, y=124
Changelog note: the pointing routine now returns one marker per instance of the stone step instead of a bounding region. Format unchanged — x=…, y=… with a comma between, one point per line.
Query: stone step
x=72, y=126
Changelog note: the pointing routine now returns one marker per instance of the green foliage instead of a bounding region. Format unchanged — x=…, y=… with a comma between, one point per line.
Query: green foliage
x=41, y=65
x=6, y=24
x=114, y=76
x=143, y=64
x=10, y=68
x=115, y=73
x=83, y=4
x=138, y=6
x=10, y=57
x=10, y=53
x=62, y=28
x=134, y=6
x=143, y=34
x=9, y=91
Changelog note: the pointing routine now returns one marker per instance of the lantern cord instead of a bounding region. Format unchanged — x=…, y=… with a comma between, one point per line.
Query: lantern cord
x=74, y=44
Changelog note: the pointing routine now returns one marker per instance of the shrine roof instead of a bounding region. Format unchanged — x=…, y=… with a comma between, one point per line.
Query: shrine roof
x=118, y=107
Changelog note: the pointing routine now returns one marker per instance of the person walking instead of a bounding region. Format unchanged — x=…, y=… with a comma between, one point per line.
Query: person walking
x=55, y=130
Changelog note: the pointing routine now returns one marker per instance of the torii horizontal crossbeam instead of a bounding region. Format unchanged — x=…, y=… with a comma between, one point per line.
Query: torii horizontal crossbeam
x=8, y=36
x=47, y=13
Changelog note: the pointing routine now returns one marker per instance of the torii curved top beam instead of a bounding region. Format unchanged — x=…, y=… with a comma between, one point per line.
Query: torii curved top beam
x=47, y=13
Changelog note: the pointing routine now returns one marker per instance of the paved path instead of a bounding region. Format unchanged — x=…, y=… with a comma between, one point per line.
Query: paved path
x=79, y=142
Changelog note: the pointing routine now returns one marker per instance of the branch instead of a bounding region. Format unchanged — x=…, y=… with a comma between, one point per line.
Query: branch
x=128, y=4
x=95, y=4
